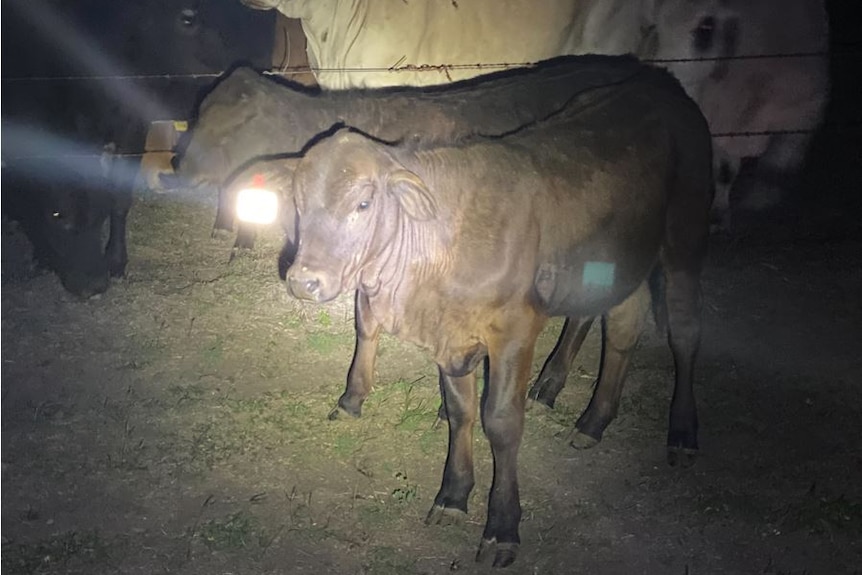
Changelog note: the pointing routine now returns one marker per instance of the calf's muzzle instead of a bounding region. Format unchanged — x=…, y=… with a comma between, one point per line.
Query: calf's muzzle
x=304, y=284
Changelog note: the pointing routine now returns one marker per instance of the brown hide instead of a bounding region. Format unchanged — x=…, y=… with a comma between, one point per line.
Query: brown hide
x=465, y=249
x=248, y=115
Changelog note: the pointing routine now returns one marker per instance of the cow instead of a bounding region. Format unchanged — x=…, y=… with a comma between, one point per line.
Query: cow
x=62, y=208
x=782, y=98
x=248, y=115
x=74, y=141
x=466, y=248
x=364, y=44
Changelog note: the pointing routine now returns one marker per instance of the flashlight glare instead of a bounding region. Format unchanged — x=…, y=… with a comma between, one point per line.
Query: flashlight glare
x=257, y=206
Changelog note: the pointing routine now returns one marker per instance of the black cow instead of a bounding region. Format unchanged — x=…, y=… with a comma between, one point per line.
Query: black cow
x=467, y=248
x=56, y=128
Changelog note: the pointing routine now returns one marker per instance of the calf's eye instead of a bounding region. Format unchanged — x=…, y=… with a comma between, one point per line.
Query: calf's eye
x=363, y=205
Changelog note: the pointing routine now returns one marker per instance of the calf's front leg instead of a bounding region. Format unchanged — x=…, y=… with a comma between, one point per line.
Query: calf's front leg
x=459, y=396
x=360, y=377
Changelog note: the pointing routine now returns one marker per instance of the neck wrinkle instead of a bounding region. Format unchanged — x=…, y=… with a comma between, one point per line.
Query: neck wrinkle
x=414, y=255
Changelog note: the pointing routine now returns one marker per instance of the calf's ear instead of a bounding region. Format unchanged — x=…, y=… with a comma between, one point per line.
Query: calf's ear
x=413, y=195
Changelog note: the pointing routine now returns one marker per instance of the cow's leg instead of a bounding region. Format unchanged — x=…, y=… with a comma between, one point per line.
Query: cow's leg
x=684, y=324
x=246, y=233
x=360, y=377
x=621, y=329
x=224, y=212
x=556, y=369
x=503, y=403
x=116, y=251
x=726, y=169
x=450, y=504
x=441, y=411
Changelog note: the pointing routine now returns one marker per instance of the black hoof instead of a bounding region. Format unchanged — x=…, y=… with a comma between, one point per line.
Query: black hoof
x=439, y=515
x=504, y=553
x=545, y=390
x=118, y=270
x=583, y=441
x=344, y=412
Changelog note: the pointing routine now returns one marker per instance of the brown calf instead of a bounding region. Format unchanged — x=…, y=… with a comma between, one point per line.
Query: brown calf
x=467, y=249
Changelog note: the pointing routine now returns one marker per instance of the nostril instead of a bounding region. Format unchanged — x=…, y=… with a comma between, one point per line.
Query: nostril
x=303, y=286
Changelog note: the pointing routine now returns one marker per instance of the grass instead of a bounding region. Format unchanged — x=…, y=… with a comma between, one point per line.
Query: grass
x=385, y=560
x=237, y=531
x=821, y=514
x=73, y=548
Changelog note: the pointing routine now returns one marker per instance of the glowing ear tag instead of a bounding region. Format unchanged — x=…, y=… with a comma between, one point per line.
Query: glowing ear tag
x=257, y=204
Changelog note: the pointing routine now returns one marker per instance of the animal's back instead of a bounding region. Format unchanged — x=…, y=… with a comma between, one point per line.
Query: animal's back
x=593, y=183
x=248, y=115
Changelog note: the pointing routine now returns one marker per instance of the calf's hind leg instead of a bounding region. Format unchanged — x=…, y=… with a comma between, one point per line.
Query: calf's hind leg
x=684, y=324
x=621, y=329
x=556, y=369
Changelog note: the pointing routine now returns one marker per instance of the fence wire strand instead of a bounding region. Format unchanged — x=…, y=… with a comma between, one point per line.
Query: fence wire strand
x=401, y=68
x=398, y=67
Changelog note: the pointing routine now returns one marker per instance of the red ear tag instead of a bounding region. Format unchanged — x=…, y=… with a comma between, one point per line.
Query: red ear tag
x=258, y=181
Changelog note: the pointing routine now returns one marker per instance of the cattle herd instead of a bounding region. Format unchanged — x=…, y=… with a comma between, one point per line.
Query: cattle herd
x=461, y=215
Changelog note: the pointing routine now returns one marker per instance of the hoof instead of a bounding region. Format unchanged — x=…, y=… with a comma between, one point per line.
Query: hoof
x=539, y=393
x=583, y=441
x=341, y=413
x=681, y=456
x=505, y=553
x=117, y=271
x=440, y=515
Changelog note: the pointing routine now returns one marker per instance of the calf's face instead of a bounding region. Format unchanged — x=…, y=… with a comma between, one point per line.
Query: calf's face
x=353, y=200
x=694, y=29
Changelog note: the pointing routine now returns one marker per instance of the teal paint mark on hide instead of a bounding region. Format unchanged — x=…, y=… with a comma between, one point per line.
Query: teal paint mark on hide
x=599, y=274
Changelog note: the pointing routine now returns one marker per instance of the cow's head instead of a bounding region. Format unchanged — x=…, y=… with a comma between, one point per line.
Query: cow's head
x=690, y=30
x=67, y=233
x=356, y=204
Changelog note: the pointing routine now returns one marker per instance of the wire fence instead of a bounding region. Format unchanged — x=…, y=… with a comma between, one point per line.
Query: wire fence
x=443, y=68
x=292, y=71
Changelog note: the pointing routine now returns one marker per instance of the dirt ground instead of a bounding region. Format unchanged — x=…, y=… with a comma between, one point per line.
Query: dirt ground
x=178, y=424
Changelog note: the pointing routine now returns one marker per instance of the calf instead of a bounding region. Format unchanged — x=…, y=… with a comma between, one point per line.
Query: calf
x=467, y=248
